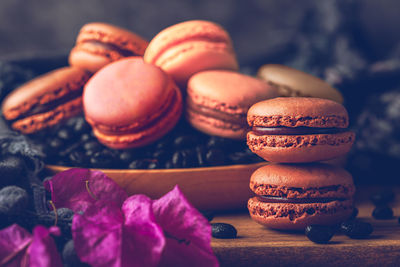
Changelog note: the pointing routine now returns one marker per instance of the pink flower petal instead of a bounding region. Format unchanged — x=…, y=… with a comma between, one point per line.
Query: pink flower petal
x=77, y=189
x=145, y=239
x=104, y=237
x=43, y=251
x=188, y=233
x=98, y=235
x=14, y=243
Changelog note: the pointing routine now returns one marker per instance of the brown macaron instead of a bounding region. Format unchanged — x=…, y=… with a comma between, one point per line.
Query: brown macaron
x=292, y=82
x=299, y=129
x=46, y=100
x=292, y=196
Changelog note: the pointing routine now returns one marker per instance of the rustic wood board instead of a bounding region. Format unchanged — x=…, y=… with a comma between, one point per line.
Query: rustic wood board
x=260, y=246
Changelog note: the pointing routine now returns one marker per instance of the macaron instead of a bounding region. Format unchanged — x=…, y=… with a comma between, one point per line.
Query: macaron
x=299, y=129
x=46, y=100
x=292, y=82
x=218, y=100
x=292, y=196
x=98, y=44
x=130, y=103
x=189, y=47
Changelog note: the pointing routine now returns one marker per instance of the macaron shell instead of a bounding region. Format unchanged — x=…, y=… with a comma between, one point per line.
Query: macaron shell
x=212, y=126
x=298, y=111
x=146, y=135
x=42, y=90
x=184, y=60
x=292, y=82
x=227, y=91
x=129, y=105
x=189, y=47
x=306, y=176
x=40, y=121
x=287, y=216
x=300, y=148
x=91, y=51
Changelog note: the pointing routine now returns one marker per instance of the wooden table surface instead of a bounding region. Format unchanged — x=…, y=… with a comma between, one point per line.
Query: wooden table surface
x=260, y=246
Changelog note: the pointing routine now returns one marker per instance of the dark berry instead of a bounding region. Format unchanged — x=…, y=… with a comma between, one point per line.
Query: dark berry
x=215, y=157
x=69, y=256
x=356, y=229
x=13, y=200
x=382, y=212
x=319, y=234
x=223, y=230
x=383, y=197
x=13, y=171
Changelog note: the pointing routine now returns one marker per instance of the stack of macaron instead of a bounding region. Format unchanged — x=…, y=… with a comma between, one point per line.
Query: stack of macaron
x=137, y=89
x=295, y=189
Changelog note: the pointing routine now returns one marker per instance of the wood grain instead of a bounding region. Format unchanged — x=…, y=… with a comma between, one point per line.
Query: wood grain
x=210, y=188
x=260, y=246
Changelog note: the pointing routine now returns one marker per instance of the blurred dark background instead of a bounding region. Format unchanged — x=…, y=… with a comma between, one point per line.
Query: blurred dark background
x=353, y=44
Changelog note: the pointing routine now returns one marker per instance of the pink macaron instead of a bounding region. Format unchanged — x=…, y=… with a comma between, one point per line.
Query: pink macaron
x=218, y=100
x=130, y=103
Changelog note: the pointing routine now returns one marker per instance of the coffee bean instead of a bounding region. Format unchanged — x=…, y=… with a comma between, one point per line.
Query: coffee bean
x=81, y=126
x=356, y=229
x=185, y=141
x=126, y=156
x=382, y=212
x=319, y=234
x=215, y=157
x=154, y=165
x=139, y=164
x=354, y=214
x=56, y=143
x=85, y=137
x=93, y=146
x=383, y=197
x=65, y=134
x=223, y=230
x=78, y=158
x=209, y=215
x=102, y=159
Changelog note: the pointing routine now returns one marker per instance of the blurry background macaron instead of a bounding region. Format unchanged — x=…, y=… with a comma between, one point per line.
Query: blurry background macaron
x=292, y=196
x=46, y=100
x=299, y=129
x=99, y=44
x=218, y=100
x=292, y=82
x=130, y=103
x=189, y=47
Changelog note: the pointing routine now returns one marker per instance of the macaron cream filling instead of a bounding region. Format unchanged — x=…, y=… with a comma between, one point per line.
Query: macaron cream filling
x=45, y=107
x=274, y=199
x=239, y=119
x=282, y=130
x=111, y=47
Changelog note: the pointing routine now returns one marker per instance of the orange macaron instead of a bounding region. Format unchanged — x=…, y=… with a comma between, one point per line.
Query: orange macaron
x=46, y=100
x=99, y=44
x=218, y=100
x=189, y=47
x=130, y=103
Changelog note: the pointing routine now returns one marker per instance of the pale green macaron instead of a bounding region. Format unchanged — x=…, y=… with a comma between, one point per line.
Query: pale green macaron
x=292, y=82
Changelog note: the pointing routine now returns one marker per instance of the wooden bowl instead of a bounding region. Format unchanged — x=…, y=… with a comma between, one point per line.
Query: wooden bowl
x=223, y=188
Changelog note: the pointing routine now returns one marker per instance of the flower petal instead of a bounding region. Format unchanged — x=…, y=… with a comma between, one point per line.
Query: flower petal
x=77, y=189
x=43, y=251
x=14, y=243
x=143, y=238
x=188, y=232
x=98, y=235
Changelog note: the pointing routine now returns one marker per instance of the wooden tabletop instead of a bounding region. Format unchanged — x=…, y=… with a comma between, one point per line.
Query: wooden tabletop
x=260, y=246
